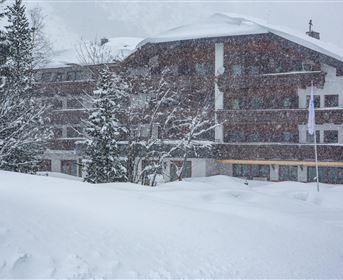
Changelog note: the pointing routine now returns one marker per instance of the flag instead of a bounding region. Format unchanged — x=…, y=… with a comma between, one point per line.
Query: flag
x=311, y=115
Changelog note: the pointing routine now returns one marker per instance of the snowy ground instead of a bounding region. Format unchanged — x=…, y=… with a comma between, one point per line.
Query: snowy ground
x=206, y=227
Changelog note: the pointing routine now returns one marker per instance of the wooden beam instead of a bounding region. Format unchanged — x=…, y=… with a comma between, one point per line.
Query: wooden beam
x=280, y=162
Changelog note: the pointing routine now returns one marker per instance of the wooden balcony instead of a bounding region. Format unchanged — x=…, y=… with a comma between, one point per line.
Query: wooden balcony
x=297, y=78
x=296, y=116
x=275, y=151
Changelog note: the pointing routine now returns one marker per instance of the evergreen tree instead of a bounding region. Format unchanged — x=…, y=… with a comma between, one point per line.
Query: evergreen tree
x=22, y=131
x=102, y=160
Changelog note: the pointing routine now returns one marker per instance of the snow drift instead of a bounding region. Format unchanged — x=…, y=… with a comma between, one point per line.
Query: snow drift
x=206, y=227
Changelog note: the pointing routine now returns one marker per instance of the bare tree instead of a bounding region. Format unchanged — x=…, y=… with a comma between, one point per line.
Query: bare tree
x=42, y=47
x=93, y=52
x=194, y=130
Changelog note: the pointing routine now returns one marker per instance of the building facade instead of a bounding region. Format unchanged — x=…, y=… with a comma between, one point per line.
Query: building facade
x=261, y=79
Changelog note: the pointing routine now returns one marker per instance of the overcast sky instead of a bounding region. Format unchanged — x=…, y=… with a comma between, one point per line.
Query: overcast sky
x=68, y=21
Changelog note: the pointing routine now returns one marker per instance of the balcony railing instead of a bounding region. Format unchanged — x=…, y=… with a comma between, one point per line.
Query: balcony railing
x=298, y=78
x=296, y=116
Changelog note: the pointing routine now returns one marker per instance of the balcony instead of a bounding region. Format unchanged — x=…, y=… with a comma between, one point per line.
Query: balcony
x=296, y=116
x=278, y=151
x=297, y=78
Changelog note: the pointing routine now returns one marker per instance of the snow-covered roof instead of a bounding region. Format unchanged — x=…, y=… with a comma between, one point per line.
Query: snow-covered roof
x=120, y=47
x=227, y=24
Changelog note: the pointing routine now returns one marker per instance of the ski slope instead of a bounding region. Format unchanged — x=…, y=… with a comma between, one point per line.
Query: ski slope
x=201, y=227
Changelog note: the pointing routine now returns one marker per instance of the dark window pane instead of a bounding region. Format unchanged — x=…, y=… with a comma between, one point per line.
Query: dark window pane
x=74, y=132
x=174, y=168
x=79, y=75
x=237, y=170
x=46, y=77
x=57, y=104
x=256, y=102
x=57, y=132
x=310, y=138
x=45, y=165
x=69, y=167
x=74, y=103
x=311, y=174
x=288, y=173
x=330, y=136
x=316, y=99
x=287, y=136
x=331, y=100
x=58, y=76
x=70, y=76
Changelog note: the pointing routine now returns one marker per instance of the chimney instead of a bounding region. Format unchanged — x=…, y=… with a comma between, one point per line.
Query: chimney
x=312, y=33
x=103, y=41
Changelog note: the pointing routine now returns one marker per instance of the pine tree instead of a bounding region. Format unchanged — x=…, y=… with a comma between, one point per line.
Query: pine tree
x=22, y=132
x=102, y=156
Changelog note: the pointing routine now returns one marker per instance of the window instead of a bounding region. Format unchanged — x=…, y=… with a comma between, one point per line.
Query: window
x=140, y=100
x=74, y=75
x=46, y=77
x=287, y=136
x=74, y=103
x=57, y=104
x=204, y=69
x=59, y=77
x=256, y=102
x=254, y=70
x=45, y=165
x=69, y=167
x=306, y=66
x=331, y=100
x=310, y=137
x=329, y=175
x=144, y=130
x=57, y=132
x=288, y=173
x=70, y=76
x=330, y=136
x=238, y=136
x=74, y=132
x=235, y=104
x=316, y=99
x=185, y=69
x=287, y=102
x=250, y=171
x=237, y=70
x=176, y=165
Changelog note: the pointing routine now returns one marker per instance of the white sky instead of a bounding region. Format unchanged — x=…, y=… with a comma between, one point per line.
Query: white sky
x=68, y=21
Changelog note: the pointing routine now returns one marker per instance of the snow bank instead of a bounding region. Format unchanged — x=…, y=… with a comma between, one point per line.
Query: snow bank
x=205, y=227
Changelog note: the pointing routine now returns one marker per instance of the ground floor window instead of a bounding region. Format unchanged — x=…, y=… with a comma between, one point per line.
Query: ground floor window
x=176, y=165
x=45, y=165
x=250, y=171
x=69, y=167
x=330, y=175
x=288, y=173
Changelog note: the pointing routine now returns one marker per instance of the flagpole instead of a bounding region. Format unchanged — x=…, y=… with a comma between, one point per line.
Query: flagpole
x=316, y=158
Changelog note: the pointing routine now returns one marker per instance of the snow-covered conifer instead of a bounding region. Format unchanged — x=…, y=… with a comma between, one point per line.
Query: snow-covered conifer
x=103, y=130
x=22, y=131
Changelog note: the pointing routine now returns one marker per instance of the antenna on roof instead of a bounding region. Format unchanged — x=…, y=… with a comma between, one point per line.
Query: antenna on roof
x=310, y=31
x=310, y=24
